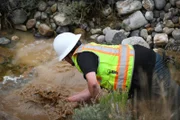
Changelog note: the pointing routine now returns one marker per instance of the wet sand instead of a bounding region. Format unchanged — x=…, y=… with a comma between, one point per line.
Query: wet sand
x=42, y=93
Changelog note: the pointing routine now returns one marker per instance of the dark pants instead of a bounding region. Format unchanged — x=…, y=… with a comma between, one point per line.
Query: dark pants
x=163, y=86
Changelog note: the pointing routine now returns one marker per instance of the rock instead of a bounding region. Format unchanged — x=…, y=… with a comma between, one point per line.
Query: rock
x=134, y=21
x=110, y=35
x=173, y=2
x=178, y=4
x=160, y=39
x=95, y=31
x=176, y=34
x=37, y=15
x=4, y=41
x=134, y=33
x=62, y=29
x=149, y=15
x=118, y=37
x=15, y=38
x=135, y=41
x=101, y=38
x=127, y=6
x=158, y=28
x=61, y=20
x=18, y=16
x=149, y=39
x=148, y=5
x=168, y=30
x=53, y=26
x=44, y=16
x=167, y=7
x=94, y=37
x=31, y=23
x=107, y=10
x=54, y=8
x=144, y=33
x=168, y=23
x=160, y=4
x=42, y=6
x=21, y=27
x=45, y=30
x=105, y=30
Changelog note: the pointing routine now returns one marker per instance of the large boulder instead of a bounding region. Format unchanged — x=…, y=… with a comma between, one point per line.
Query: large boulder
x=128, y=6
x=135, y=41
x=134, y=21
x=18, y=16
x=61, y=19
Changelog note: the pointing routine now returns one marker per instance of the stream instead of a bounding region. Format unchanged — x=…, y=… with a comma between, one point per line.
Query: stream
x=34, y=85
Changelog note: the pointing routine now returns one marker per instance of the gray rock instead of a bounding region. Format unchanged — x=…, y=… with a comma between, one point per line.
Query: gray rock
x=134, y=21
x=37, y=15
x=44, y=16
x=135, y=41
x=144, y=33
x=176, y=34
x=149, y=15
x=53, y=26
x=105, y=30
x=19, y=16
x=109, y=35
x=149, y=39
x=127, y=6
x=61, y=19
x=42, y=6
x=101, y=38
x=134, y=33
x=148, y=5
x=158, y=28
x=173, y=2
x=107, y=10
x=62, y=29
x=94, y=37
x=167, y=7
x=160, y=4
x=4, y=41
x=118, y=37
x=167, y=30
x=95, y=31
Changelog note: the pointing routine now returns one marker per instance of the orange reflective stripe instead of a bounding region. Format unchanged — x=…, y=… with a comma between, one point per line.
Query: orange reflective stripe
x=126, y=69
x=117, y=69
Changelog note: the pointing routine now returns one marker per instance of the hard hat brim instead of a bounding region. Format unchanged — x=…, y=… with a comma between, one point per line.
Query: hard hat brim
x=70, y=47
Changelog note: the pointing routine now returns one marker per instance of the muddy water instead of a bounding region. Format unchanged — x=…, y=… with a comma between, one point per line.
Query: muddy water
x=38, y=93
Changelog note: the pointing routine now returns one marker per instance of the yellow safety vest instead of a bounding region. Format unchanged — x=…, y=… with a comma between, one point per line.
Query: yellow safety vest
x=116, y=63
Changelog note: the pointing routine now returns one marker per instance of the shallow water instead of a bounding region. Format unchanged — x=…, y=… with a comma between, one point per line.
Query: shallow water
x=40, y=92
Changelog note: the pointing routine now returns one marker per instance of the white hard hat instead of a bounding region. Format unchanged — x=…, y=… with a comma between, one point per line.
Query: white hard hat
x=64, y=43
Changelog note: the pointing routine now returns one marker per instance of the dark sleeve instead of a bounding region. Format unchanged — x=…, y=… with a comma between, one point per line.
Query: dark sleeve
x=88, y=62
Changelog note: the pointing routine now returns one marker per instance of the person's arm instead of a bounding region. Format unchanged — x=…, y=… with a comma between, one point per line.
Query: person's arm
x=92, y=91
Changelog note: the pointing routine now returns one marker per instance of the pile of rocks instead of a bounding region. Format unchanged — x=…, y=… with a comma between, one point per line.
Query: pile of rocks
x=144, y=22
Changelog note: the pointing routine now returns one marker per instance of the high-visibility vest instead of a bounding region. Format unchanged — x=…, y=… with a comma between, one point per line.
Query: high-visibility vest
x=116, y=63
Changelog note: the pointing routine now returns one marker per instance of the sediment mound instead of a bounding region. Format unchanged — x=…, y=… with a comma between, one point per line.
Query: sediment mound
x=51, y=98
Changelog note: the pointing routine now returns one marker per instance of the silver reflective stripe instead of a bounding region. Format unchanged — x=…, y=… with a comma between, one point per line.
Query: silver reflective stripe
x=99, y=48
x=123, y=62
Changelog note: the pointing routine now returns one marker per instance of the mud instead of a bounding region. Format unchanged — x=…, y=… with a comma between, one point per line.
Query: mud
x=41, y=93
